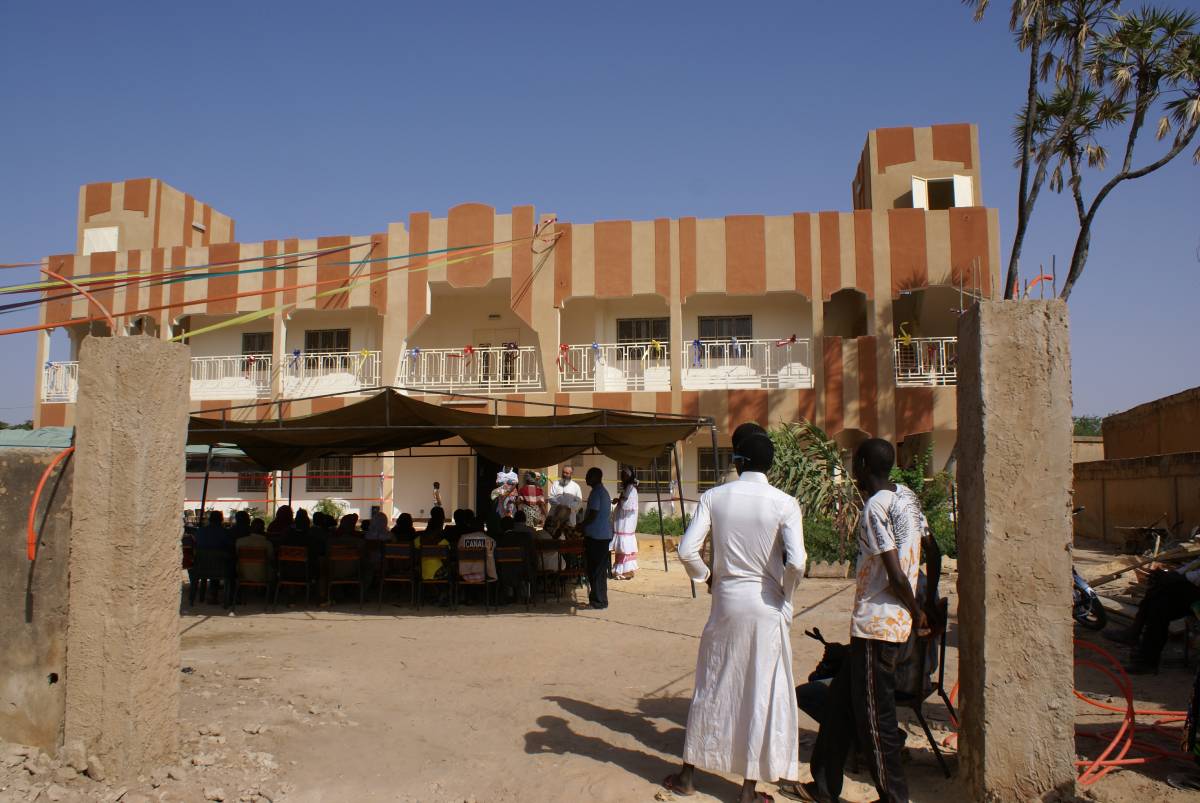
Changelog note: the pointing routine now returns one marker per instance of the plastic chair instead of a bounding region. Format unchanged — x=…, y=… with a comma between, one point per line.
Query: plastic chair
x=343, y=555
x=441, y=553
x=288, y=563
x=515, y=557
x=915, y=702
x=209, y=565
x=477, y=555
x=249, y=557
x=397, y=566
x=546, y=552
x=571, y=563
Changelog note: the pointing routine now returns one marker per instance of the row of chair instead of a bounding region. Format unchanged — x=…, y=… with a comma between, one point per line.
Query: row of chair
x=398, y=564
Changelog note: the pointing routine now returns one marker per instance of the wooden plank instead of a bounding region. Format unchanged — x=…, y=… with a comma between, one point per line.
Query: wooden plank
x=1175, y=553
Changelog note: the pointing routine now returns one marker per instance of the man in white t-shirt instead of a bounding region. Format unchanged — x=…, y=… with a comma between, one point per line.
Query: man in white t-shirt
x=885, y=610
x=565, y=492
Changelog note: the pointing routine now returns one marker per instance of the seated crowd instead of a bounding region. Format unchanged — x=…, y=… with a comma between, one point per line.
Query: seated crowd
x=220, y=558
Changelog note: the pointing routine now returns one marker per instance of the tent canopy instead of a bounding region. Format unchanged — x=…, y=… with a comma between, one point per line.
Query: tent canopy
x=391, y=421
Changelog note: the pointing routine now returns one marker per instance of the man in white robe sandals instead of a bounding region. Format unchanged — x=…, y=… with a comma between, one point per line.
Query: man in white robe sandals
x=743, y=718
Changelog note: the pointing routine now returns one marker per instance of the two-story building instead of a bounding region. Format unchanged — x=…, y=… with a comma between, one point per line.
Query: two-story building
x=845, y=318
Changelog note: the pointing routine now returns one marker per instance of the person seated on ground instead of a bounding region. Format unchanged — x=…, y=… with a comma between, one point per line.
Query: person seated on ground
x=513, y=576
x=403, y=531
x=472, y=571
x=281, y=525
x=1170, y=596
x=255, y=538
x=433, y=535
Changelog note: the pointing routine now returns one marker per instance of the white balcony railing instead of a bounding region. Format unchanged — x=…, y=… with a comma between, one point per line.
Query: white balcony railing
x=614, y=366
x=479, y=369
x=231, y=377
x=60, y=381
x=926, y=361
x=758, y=363
x=318, y=374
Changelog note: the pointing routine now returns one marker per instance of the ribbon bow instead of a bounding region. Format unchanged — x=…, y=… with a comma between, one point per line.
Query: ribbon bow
x=787, y=341
x=905, y=337
x=696, y=357
x=656, y=348
x=295, y=356
x=416, y=352
x=364, y=353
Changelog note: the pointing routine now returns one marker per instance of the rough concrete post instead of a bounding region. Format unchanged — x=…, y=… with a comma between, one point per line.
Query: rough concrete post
x=1014, y=611
x=123, y=616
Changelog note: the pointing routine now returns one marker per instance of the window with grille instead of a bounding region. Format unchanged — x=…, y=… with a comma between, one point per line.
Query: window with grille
x=251, y=482
x=708, y=476
x=330, y=475
x=256, y=343
x=643, y=330
x=650, y=482
x=324, y=341
x=726, y=327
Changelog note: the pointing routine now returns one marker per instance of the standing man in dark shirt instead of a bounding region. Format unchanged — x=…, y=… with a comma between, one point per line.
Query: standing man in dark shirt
x=597, y=536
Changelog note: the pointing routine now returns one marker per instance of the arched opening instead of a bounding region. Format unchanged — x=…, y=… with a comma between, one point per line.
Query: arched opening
x=847, y=314
x=925, y=329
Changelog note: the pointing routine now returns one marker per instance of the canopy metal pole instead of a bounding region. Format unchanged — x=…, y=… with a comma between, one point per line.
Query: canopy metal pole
x=682, y=510
x=291, y=480
x=204, y=488
x=718, y=476
x=662, y=535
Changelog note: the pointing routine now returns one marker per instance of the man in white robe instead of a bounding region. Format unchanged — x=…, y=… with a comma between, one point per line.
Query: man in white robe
x=743, y=718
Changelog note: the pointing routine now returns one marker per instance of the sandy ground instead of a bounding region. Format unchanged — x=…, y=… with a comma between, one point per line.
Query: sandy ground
x=554, y=704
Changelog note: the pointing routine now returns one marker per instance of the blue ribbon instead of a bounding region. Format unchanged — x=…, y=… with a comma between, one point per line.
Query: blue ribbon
x=696, y=357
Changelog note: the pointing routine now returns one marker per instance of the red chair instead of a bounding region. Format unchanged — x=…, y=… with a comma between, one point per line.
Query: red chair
x=397, y=566
x=345, y=569
x=290, y=563
x=477, y=555
x=252, y=558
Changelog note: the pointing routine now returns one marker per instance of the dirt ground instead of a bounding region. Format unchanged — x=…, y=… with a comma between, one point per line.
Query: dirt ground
x=553, y=704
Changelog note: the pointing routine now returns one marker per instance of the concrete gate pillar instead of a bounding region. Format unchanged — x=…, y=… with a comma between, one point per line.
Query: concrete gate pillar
x=1016, y=666
x=122, y=669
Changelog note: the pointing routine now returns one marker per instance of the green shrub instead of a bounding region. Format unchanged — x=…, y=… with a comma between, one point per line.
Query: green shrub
x=648, y=524
x=329, y=508
x=821, y=541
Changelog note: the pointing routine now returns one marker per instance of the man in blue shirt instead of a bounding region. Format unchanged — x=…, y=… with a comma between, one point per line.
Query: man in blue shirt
x=597, y=535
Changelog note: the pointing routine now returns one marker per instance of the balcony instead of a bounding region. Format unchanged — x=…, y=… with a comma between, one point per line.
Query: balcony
x=242, y=377
x=614, y=366
x=231, y=377
x=319, y=374
x=924, y=362
x=752, y=363
x=60, y=381
x=479, y=369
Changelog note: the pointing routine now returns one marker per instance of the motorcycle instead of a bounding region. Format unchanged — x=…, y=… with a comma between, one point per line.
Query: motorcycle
x=1086, y=608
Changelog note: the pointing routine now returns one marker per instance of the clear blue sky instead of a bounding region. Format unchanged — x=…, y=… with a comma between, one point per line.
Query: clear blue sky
x=302, y=119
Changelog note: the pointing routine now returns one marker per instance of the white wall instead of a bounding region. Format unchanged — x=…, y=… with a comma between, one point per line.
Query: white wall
x=365, y=327
x=591, y=320
x=457, y=314
x=776, y=315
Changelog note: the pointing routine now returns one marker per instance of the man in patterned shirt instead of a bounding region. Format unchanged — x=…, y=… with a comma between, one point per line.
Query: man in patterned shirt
x=885, y=610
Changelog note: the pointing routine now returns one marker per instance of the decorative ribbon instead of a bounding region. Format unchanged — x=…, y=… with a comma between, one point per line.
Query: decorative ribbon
x=415, y=352
x=737, y=347
x=564, y=357
x=698, y=349
x=787, y=341
x=905, y=338
x=656, y=348
x=295, y=357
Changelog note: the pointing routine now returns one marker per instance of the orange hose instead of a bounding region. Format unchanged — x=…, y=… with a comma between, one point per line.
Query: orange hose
x=31, y=543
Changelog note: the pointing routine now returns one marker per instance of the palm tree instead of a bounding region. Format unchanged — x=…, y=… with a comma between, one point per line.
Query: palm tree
x=811, y=466
x=1148, y=57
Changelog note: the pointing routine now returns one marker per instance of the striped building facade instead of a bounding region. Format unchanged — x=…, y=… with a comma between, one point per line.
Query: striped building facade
x=842, y=317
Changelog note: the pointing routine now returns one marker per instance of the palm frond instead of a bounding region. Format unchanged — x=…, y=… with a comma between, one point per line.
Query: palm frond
x=811, y=466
